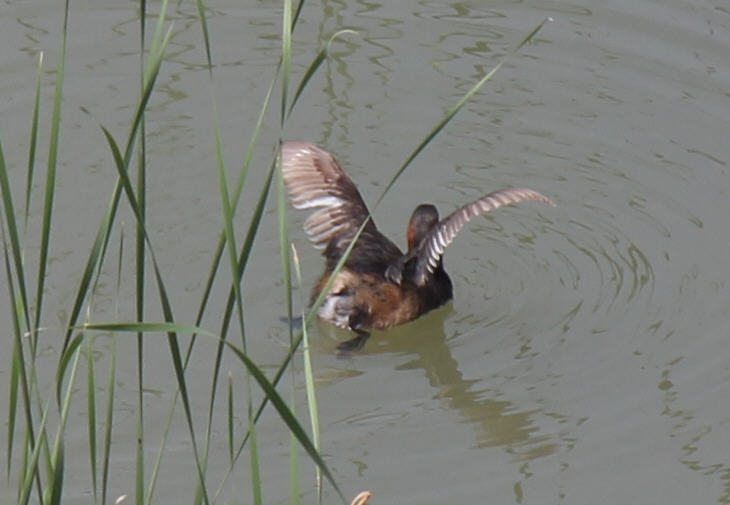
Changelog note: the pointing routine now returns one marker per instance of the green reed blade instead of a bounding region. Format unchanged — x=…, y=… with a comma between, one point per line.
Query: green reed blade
x=33, y=139
x=173, y=343
x=50, y=177
x=286, y=27
x=98, y=249
x=254, y=462
x=314, y=66
x=19, y=374
x=242, y=261
x=30, y=472
x=57, y=455
x=309, y=378
x=95, y=258
x=12, y=408
x=108, y=420
x=295, y=18
x=91, y=413
x=248, y=242
x=147, y=327
x=457, y=107
x=284, y=246
x=286, y=415
x=230, y=409
x=16, y=364
x=64, y=362
x=297, y=338
x=56, y=490
x=200, y=6
x=13, y=235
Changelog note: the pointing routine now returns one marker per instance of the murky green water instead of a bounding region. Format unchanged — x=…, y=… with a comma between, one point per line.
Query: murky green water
x=584, y=358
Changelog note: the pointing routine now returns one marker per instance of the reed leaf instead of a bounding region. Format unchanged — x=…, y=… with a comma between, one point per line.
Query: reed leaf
x=286, y=415
x=101, y=239
x=19, y=375
x=58, y=453
x=50, y=179
x=16, y=364
x=14, y=237
x=33, y=139
x=230, y=417
x=314, y=66
x=108, y=421
x=457, y=107
x=164, y=300
x=309, y=379
x=286, y=28
x=91, y=413
x=284, y=247
x=30, y=466
x=206, y=37
x=64, y=362
x=147, y=327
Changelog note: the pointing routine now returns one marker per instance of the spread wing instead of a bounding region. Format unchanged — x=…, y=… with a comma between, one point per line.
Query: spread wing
x=315, y=180
x=432, y=247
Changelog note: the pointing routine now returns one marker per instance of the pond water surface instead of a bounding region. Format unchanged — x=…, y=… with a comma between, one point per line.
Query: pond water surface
x=585, y=357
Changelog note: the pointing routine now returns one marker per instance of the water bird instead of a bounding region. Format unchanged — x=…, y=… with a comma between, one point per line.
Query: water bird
x=379, y=286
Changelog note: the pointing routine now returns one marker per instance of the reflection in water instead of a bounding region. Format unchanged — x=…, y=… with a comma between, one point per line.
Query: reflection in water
x=497, y=422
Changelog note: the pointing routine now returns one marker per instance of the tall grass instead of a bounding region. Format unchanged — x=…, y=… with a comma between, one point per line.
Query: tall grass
x=38, y=415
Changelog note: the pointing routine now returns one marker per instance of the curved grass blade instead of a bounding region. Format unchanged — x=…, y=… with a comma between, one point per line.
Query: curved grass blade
x=248, y=242
x=296, y=15
x=309, y=378
x=12, y=409
x=284, y=245
x=16, y=367
x=314, y=66
x=286, y=273
x=230, y=417
x=66, y=356
x=33, y=139
x=12, y=232
x=160, y=451
x=102, y=235
x=147, y=327
x=108, y=421
x=171, y=329
x=206, y=38
x=58, y=471
x=229, y=205
x=19, y=375
x=30, y=471
x=296, y=340
x=91, y=413
x=57, y=455
x=95, y=258
x=457, y=107
x=50, y=177
x=285, y=56
x=164, y=300
x=286, y=415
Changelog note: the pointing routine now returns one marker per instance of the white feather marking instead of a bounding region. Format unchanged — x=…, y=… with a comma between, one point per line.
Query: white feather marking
x=321, y=201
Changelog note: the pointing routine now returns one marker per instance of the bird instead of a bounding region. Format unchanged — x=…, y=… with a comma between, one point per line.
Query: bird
x=378, y=286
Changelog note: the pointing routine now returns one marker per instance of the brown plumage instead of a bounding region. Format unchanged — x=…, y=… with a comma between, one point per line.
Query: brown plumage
x=379, y=286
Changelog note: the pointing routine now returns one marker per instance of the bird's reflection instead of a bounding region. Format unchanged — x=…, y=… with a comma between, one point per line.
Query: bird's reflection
x=497, y=422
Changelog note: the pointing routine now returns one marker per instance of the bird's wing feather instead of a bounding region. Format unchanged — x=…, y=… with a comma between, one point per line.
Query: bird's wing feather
x=316, y=181
x=434, y=244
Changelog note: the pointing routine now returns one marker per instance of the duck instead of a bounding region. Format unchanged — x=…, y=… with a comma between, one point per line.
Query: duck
x=379, y=286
